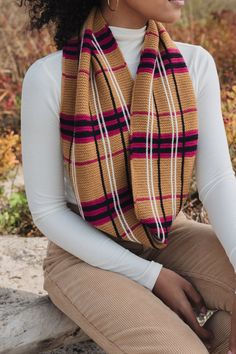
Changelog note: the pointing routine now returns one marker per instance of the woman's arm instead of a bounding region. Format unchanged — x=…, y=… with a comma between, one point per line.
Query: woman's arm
x=214, y=172
x=44, y=184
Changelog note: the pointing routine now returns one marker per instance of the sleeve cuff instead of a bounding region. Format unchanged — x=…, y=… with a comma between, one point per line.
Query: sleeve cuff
x=150, y=275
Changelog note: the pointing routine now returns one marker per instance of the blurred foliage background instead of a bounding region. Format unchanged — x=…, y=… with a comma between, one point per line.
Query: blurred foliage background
x=209, y=23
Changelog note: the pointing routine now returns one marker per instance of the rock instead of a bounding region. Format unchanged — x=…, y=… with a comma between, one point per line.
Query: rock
x=29, y=321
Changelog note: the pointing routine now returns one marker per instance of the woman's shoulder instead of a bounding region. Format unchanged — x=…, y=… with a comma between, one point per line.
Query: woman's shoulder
x=45, y=68
x=198, y=60
x=43, y=79
x=196, y=56
x=42, y=85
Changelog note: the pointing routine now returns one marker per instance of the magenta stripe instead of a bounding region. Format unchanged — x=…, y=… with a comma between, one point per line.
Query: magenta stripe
x=148, y=60
x=163, y=155
x=84, y=71
x=75, y=77
x=89, y=128
x=152, y=220
x=153, y=229
x=174, y=60
x=103, y=220
x=69, y=76
x=102, y=31
x=168, y=71
x=74, y=57
x=104, y=208
x=165, y=135
x=69, y=56
x=107, y=50
x=141, y=113
x=94, y=117
x=150, y=51
x=165, y=61
x=89, y=139
x=113, y=69
x=107, y=218
x=170, y=50
x=164, y=145
x=87, y=162
x=106, y=40
x=158, y=197
x=102, y=199
x=152, y=33
x=80, y=140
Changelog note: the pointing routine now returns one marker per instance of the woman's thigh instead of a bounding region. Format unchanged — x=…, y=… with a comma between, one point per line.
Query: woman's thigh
x=116, y=312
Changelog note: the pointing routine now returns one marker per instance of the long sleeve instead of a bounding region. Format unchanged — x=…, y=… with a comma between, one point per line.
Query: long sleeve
x=214, y=172
x=44, y=185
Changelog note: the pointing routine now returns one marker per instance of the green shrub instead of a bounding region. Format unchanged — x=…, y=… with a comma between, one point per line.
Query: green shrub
x=15, y=217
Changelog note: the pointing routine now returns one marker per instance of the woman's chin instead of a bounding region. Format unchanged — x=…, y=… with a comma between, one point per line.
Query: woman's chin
x=174, y=17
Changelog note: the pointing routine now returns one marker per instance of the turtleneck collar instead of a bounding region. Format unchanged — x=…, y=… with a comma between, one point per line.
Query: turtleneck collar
x=130, y=41
x=126, y=34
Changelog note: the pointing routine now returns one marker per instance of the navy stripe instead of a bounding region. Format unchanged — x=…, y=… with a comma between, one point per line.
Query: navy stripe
x=139, y=139
x=148, y=55
x=74, y=52
x=161, y=150
x=103, y=215
x=99, y=205
x=84, y=122
x=110, y=128
x=165, y=224
x=85, y=134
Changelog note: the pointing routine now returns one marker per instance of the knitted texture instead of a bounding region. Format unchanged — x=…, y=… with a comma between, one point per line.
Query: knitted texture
x=129, y=145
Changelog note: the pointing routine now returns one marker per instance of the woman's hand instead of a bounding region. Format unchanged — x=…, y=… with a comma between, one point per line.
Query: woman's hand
x=232, y=343
x=179, y=294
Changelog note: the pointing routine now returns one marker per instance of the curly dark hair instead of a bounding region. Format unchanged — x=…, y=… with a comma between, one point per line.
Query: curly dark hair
x=67, y=16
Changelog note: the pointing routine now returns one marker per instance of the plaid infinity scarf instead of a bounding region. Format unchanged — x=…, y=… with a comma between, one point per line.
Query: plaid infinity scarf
x=129, y=146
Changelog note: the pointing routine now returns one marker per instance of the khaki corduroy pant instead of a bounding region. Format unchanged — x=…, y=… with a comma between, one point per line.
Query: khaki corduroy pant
x=122, y=316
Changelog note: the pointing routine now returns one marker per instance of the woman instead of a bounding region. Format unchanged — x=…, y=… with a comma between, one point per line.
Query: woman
x=143, y=292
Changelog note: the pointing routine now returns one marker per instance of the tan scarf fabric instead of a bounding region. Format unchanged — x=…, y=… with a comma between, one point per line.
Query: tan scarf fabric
x=129, y=146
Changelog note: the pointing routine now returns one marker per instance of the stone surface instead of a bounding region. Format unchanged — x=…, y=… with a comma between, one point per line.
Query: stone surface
x=21, y=279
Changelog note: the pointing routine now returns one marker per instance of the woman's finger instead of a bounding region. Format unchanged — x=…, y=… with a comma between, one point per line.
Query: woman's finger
x=195, y=298
x=189, y=316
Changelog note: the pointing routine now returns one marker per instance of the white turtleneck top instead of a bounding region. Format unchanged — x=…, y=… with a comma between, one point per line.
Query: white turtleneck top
x=48, y=187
